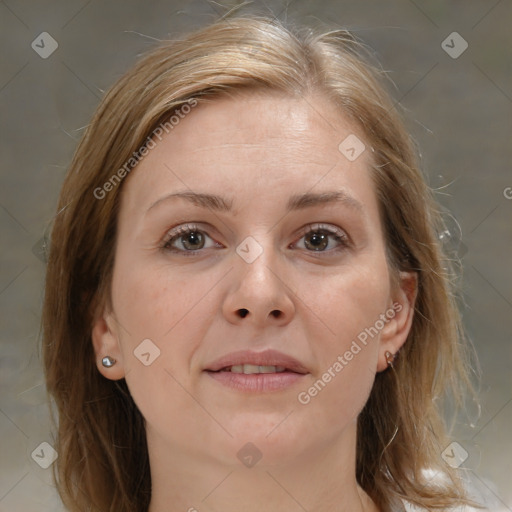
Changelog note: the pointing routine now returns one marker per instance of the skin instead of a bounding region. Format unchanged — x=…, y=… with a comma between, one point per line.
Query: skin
x=256, y=149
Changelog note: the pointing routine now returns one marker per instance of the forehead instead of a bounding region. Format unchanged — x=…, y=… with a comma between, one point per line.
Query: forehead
x=276, y=120
x=251, y=143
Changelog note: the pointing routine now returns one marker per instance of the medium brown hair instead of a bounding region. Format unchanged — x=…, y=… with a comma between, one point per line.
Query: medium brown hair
x=103, y=458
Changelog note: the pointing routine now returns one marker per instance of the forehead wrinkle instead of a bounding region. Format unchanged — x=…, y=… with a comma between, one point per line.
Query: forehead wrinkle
x=308, y=147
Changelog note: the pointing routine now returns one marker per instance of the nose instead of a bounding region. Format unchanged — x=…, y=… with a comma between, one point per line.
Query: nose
x=259, y=292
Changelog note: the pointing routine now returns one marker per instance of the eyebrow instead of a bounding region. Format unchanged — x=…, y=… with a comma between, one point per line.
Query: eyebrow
x=296, y=202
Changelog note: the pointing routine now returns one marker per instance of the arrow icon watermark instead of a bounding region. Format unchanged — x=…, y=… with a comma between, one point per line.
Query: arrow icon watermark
x=351, y=147
x=249, y=455
x=44, y=45
x=146, y=352
x=249, y=250
x=454, y=45
x=44, y=455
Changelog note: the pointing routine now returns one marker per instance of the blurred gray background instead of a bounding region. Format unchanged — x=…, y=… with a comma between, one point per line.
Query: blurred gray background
x=459, y=108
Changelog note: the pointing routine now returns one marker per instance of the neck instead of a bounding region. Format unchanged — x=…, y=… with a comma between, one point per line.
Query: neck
x=319, y=480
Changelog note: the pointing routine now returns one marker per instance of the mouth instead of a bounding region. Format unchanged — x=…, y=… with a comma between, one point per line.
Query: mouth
x=257, y=371
x=252, y=369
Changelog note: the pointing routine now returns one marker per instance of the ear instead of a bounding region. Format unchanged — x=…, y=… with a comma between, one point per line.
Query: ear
x=105, y=341
x=400, y=314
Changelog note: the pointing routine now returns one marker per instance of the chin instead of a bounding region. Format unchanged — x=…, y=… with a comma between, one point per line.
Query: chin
x=273, y=437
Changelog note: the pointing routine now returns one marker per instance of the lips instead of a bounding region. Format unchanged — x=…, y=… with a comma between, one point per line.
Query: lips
x=251, y=369
x=250, y=362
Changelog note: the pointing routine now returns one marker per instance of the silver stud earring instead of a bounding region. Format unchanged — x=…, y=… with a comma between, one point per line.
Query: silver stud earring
x=108, y=362
x=390, y=358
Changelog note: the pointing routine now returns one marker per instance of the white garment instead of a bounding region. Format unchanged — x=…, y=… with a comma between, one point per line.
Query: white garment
x=479, y=490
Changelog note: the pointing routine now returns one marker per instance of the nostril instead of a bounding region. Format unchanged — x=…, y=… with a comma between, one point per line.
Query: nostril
x=244, y=312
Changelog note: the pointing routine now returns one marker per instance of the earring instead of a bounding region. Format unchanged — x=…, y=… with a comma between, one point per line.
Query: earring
x=108, y=362
x=390, y=358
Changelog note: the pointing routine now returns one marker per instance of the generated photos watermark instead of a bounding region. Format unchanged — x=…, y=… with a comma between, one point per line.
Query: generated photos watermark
x=304, y=397
x=149, y=144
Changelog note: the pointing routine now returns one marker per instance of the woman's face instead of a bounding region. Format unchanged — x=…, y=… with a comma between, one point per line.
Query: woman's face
x=276, y=273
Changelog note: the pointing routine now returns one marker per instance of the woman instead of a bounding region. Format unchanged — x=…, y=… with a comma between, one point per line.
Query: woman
x=246, y=304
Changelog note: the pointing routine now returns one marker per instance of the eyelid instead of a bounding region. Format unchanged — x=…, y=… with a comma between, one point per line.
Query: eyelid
x=343, y=240
x=319, y=226
x=181, y=230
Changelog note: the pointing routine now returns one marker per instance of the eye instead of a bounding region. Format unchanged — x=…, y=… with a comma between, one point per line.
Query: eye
x=186, y=239
x=319, y=237
x=189, y=239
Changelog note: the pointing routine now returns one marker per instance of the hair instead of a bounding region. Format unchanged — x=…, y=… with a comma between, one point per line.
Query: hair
x=103, y=459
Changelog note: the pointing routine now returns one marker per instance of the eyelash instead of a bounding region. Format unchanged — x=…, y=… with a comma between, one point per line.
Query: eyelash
x=338, y=235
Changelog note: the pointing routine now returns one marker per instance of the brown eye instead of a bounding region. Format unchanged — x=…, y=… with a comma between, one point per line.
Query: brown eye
x=316, y=241
x=320, y=238
x=186, y=239
x=193, y=240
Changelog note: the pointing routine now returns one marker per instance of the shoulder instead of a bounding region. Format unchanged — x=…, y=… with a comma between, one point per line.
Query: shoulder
x=478, y=489
x=409, y=507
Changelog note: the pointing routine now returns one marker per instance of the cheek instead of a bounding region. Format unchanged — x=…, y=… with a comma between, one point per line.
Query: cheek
x=159, y=331
x=350, y=305
x=158, y=303
x=349, y=302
